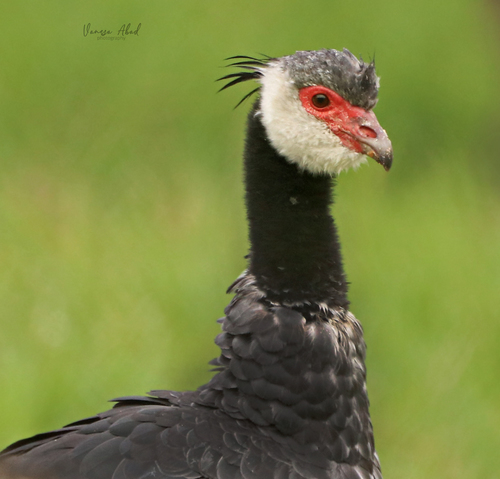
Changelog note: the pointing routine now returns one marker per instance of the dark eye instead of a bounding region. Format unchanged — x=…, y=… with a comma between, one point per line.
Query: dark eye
x=320, y=100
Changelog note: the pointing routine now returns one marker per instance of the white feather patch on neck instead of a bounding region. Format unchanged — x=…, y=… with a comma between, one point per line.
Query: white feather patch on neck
x=296, y=134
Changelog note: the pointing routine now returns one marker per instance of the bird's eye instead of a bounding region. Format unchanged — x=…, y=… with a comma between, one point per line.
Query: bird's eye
x=320, y=100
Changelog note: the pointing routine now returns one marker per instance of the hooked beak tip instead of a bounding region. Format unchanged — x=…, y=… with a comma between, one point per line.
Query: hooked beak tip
x=385, y=158
x=386, y=161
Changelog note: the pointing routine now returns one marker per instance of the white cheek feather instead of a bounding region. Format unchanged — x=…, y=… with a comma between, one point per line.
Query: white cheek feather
x=298, y=135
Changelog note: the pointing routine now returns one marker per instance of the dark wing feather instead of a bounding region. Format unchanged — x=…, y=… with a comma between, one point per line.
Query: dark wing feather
x=142, y=441
x=288, y=402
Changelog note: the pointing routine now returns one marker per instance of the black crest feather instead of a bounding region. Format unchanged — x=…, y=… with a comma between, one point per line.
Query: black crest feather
x=251, y=69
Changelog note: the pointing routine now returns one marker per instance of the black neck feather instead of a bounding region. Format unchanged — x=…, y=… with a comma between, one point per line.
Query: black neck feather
x=295, y=254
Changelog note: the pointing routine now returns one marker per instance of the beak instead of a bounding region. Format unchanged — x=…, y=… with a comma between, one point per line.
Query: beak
x=373, y=139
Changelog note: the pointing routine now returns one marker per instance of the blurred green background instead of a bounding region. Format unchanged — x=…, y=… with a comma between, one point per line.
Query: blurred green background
x=122, y=219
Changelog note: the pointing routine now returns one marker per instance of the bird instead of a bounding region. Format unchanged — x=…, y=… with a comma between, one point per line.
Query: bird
x=288, y=398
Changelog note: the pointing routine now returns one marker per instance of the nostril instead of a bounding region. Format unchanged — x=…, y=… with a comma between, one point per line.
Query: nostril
x=367, y=131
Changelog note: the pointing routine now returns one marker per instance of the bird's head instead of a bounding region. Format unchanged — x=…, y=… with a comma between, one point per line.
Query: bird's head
x=317, y=106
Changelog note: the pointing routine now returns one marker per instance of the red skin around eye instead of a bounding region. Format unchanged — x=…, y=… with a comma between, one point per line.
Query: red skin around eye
x=343, y=119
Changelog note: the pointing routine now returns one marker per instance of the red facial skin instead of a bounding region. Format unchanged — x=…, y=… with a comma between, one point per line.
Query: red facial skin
x=350, y=123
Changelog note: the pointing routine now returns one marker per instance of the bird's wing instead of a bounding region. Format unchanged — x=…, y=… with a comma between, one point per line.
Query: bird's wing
x=139, y=440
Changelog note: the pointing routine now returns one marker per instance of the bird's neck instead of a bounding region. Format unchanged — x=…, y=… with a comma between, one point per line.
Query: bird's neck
x=294, y=253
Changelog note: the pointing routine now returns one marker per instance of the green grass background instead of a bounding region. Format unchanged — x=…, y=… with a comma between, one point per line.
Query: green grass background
x=122, y=220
